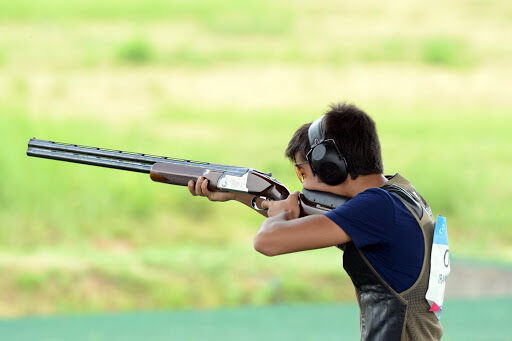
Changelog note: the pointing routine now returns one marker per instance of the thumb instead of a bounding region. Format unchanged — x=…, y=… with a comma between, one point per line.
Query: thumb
x=295, y=194
x=294, y=197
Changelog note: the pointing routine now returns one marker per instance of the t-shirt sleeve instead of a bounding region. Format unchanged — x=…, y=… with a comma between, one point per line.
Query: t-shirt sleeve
x=366, y=217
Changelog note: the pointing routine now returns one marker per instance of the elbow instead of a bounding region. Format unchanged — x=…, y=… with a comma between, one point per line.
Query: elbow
x=263, y=245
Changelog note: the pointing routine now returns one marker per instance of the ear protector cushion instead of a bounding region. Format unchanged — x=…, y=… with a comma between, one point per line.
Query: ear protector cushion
x=324, y=157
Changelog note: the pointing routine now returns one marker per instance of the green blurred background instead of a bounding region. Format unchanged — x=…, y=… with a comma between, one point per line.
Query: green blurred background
x=229, y=81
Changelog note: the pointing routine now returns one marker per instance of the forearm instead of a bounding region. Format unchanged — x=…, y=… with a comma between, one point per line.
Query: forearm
x=264, y=241
x=274, y=223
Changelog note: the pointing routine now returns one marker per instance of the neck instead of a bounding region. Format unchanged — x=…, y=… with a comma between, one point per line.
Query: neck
x=351, y=188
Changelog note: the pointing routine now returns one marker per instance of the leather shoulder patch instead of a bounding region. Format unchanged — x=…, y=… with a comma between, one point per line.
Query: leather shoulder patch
x=406, y=198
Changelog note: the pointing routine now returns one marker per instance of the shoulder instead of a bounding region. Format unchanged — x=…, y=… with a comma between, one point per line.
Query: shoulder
x=370, y=198
x=373, y=204
x=375, y=194
x=367, y=218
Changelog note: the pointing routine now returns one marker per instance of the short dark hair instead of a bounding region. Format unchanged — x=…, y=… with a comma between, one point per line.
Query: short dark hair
x=355, y=134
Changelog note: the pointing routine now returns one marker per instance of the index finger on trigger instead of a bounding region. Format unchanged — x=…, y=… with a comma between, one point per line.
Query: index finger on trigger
x=265, y=203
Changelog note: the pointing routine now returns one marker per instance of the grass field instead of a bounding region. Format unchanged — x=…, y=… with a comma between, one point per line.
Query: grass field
x=229, y=82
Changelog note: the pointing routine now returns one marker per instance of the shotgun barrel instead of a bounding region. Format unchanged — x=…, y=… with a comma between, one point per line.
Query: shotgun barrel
x=103, y=157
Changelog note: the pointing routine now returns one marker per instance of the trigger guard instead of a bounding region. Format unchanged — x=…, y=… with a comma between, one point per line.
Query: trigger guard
x=253, y=203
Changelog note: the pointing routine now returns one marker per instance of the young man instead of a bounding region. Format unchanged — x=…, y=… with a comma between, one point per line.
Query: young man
x=385, y=229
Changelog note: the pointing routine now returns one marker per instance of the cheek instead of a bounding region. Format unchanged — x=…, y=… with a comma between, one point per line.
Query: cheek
x=311, y=182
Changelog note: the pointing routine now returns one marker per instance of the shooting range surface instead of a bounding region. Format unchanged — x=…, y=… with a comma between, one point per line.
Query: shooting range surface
x=481, y=319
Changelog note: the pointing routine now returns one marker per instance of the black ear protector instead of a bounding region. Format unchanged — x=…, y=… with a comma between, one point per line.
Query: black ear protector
x=324, y=157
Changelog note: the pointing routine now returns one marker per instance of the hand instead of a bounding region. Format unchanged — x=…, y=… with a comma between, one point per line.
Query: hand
x=290, y=205
x=201, y=188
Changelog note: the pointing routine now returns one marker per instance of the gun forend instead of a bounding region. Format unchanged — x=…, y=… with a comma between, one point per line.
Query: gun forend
x=248, y=181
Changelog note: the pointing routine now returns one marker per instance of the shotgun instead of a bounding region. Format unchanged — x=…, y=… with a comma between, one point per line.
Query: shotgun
x=176, y=171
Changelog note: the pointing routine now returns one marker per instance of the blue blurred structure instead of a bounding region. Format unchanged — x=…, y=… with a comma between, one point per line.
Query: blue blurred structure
x=481, y=319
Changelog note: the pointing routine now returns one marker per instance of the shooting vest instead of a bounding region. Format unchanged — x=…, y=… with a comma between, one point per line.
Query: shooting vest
x=384, y=313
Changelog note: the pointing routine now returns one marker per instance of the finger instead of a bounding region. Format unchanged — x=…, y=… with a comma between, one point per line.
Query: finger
x=190, y=186
x=198, y=186
x=265, y=203
x=293, y=199
x=294, y=196
x=204, y=188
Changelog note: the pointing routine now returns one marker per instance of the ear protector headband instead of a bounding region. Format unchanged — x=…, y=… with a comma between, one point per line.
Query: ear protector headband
x=324, y=157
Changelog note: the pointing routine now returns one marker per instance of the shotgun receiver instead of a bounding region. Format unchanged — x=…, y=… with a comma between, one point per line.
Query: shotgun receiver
x=179, y=171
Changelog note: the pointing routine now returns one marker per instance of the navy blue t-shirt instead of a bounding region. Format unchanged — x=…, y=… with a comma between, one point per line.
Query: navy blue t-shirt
x=386, y=232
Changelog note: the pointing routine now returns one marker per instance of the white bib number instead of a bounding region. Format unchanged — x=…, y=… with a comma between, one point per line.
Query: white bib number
x=439, y=267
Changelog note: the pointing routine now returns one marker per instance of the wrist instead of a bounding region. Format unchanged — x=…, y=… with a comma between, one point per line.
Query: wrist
x=242, y=197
